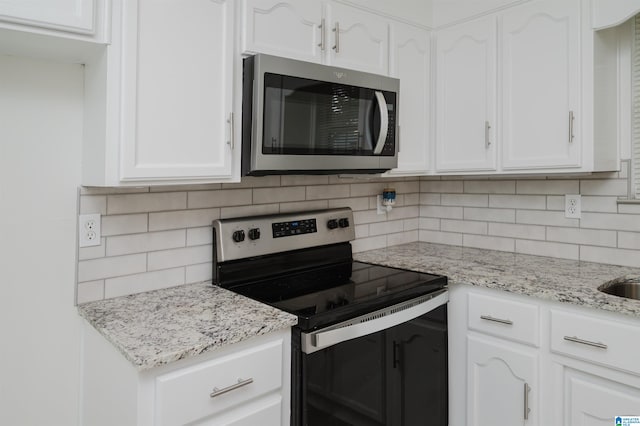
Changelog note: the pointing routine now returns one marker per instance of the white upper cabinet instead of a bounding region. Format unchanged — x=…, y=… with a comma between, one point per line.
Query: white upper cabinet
x=608, y=13
x=541, y=85
x=76, y=16
x=410, y=62
x=283, y=28
x=466, y=97
x=165, y=114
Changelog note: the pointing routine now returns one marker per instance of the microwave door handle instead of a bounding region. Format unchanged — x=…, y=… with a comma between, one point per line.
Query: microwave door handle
x=384, y=123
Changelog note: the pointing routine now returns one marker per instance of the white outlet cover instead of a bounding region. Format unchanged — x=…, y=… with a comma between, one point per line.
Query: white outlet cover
x=89, y=230
x=572, y=206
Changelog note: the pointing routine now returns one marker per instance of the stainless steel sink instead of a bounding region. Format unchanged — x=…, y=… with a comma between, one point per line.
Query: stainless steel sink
x=628, y=287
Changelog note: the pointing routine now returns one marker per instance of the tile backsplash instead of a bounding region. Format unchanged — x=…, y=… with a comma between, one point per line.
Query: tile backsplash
x=161, y=236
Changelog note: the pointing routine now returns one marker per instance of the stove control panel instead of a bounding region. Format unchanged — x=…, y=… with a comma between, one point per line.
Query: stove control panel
x=294, y=227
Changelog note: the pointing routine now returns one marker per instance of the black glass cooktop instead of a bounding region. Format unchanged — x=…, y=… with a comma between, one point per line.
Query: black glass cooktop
x=335, y=293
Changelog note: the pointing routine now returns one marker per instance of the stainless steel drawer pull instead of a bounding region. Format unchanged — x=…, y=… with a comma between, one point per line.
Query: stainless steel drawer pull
x=527, y=410
x=322, y=34
x=501, y=321
x=336, y=30
x=571, y=120
x=585, y=342
x=487, y=130
x=231, y=142
x=241, y=383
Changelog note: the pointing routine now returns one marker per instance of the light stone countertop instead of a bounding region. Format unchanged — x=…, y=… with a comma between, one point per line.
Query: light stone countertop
x=546, y=278
x=159, y=327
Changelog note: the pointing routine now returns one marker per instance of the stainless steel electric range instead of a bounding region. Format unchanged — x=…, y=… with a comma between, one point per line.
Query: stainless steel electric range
x=370, y=347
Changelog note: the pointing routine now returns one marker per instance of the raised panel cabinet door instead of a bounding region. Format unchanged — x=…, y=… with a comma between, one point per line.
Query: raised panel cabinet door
x=75, y=16
x=466, y=97
x=290, y=28
x=595, y=401
x=410, y=62
x=177, y=73
x=541, y=82
x=357, y=39
x=502, y=384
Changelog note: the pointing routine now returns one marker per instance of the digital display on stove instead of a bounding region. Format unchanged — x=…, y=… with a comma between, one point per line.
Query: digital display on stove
x=294, y=227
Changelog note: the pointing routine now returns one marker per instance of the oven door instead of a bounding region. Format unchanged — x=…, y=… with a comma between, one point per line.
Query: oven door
x=393, y=376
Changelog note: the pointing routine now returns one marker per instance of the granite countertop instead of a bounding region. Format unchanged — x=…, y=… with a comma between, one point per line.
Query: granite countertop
x=159, y=327
x=546, y=278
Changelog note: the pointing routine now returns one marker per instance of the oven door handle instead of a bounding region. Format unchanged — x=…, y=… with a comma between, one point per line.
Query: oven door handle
x=370, y=323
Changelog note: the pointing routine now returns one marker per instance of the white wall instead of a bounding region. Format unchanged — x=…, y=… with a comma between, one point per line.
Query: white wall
x=40, y=135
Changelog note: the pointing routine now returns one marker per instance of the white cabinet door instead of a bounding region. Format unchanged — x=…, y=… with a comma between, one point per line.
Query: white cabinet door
x=177, y=67
x=357, y=39
x=284, y=28
x=541, y=82
x=595, y=401
x=502, y=384
x=466, y=97
x=270, y=415
x=68, y=15
x=410, y=61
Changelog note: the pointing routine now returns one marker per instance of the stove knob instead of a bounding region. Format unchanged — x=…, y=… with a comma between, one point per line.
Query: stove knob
x=254, y=233
x=238, y=236
x=332, y=224
x=344, y=222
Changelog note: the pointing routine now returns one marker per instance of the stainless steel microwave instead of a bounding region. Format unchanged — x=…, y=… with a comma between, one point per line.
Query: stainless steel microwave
x=305, y=118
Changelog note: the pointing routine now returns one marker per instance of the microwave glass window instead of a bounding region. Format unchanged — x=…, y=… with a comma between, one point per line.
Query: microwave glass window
x=308, y=117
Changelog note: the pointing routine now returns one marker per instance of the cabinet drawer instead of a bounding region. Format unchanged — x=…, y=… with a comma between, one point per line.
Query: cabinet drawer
x=184, y=396
x=504, y=318
x=596, y=340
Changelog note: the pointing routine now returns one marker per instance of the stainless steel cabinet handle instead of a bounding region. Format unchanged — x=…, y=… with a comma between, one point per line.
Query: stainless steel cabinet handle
x=322, y=34
x=487, y=140
x=571, y=120
x=241, y=383
x=501, y=321
x=527, y=410
x=231, y=141
x=336, y=30
x=585, y=342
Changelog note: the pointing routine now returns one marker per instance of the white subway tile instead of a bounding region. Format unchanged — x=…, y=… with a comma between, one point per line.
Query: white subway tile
x=612, y=187
x=179, y=257
x=438, y=237
x=619, y=222
x=92, y=252
x=365, y=189
x=139, y=203
x=511, y=230
x=610, y=255
x=629, y=208
x=543, y=248
x=555, y=202
x=90, y=291
x=106, y=267
x=548, y=187
x=243, y=211
x=411, y=224
x=221, y=198
x=444, y=186
x=388, y=227
x=254, y=182
x=599, y=204
x=490, y=187
x=303, y=180
x=430, y=199
x=442, y=212
x=629, y=240
x=360, y=203
x=303, y=205
x=368, y=216
x=465, y=200
x=93, y=204
x=403, y=212
x=405, y=187
x=199, y=273
x=412, y=199
x=324, y=192
x=430, y=223
x=200, y=236
x=486, y=242
x=362, y=231
x=148, y=241
x=518, y=201
x=370, y=243
x=402, y=238
x=591, y=237
x=278, y=195
x=182, y=219
x=463, y=226
x=123, y=224
x=551, y=218
x=139, y=283
x=490, y=215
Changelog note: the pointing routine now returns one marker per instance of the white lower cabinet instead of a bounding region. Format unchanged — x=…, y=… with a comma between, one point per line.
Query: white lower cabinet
x=569, y=365
x=244, y=384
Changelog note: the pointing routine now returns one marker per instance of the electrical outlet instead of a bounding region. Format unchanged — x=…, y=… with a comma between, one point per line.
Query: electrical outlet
x=572, y=206
x=89, y=230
